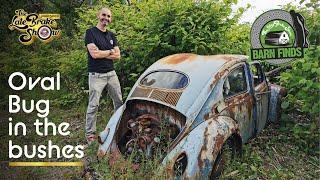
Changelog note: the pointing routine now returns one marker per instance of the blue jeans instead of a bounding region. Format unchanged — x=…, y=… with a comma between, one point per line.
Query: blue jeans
x=97, y=82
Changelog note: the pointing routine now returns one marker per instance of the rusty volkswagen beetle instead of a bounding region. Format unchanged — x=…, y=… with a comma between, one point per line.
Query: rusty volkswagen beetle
x=189, y=108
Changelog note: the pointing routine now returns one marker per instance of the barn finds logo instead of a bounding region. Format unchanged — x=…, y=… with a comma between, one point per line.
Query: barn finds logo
x=278, y=36
x=32, y=26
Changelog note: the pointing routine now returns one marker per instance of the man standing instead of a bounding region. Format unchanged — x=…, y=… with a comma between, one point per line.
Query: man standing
x=102, y=51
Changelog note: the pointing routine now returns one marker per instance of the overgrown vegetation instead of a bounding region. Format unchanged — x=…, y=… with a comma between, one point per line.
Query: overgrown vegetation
x=148, y=31
x=302, y=84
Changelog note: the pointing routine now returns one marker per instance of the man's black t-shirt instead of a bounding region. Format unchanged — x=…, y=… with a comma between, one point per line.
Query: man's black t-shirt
x=104, y=41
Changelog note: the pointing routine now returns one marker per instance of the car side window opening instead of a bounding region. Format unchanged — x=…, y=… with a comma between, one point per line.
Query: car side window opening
x=257, y=74
x=235, y=83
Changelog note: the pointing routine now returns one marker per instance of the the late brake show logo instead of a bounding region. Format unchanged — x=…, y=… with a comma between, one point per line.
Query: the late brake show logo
x=278, y=36
x=33, y=25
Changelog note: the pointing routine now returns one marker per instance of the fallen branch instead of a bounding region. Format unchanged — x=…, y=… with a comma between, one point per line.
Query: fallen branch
x=276, y=71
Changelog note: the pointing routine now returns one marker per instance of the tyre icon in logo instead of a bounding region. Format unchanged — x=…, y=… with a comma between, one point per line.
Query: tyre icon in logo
x=44, y=32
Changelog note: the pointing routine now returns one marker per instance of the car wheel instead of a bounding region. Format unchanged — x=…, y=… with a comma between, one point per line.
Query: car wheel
x=224, y=157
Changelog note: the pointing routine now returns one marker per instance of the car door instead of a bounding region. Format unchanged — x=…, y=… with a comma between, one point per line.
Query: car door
x=261, y=94
x=239, y=100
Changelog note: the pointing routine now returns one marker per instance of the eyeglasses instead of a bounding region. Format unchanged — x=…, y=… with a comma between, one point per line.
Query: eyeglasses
x=104, y=15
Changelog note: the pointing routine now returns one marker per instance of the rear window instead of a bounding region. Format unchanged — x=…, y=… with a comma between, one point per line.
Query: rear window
x=165, y=80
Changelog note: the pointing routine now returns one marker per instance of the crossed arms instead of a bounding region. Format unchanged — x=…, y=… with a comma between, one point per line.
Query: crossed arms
x=94, y=51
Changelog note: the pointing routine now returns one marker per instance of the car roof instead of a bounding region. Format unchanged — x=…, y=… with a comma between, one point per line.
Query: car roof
x=200, y=70
x=188, y=62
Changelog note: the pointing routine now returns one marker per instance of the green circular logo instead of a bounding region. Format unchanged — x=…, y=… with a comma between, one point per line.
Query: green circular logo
x=277, y=33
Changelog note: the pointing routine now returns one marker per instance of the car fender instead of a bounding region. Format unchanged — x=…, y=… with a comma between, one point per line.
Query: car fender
x=201, y=146
x=276, y=94
x=106, y=137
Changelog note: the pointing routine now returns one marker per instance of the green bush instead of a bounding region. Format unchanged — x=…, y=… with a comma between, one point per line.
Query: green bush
x=146, y=31
x=302, y=84
x=150, y=30
x=64, y=55
x=302, y=81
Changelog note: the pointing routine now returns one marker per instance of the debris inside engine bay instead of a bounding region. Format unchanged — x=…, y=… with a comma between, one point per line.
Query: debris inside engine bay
x=147, y=137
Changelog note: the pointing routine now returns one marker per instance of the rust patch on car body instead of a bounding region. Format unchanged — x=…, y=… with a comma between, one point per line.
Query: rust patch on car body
x=225, y=57
x=206, y=116
x=179, y=58
x=236, y=104
x=225, y=69
x=218, y=76
x=203, y=148
x=219, y=140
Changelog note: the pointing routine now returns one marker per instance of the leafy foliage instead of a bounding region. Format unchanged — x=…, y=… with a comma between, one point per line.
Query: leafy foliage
x=303, y=85
x=150, y=30
x=302, y=81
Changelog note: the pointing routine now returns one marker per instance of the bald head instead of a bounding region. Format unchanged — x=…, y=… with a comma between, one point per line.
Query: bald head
x=104, y=9
x=105, y=17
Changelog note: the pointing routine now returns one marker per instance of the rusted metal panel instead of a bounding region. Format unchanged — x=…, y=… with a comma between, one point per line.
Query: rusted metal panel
x=262, y=95
x=201, y=147
x=239, y=107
